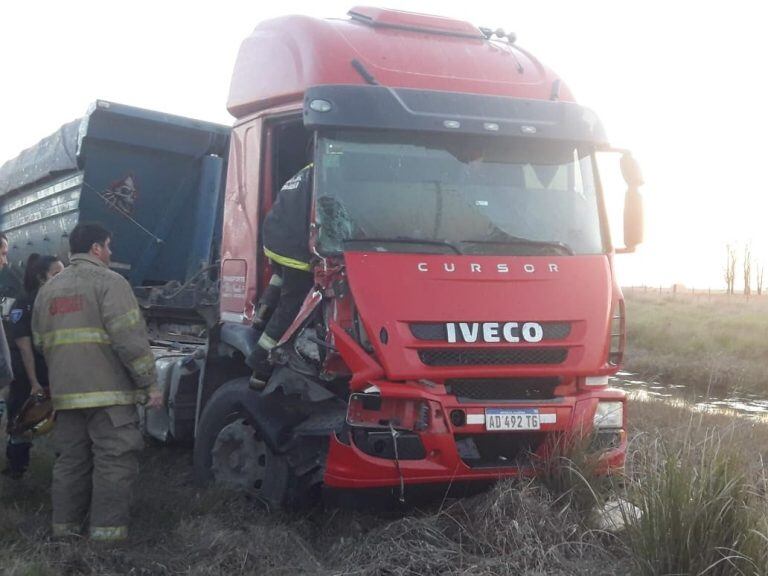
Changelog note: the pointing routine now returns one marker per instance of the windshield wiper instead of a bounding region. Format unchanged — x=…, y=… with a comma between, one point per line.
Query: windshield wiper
x=409, y=240
x=561, y=247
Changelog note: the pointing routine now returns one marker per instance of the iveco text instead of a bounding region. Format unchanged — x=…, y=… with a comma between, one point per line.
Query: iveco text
x=494, y=332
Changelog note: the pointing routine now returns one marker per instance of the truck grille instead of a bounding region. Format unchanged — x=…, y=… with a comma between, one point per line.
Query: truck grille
x=503, y=388
x=492, y=356
x=436, y=331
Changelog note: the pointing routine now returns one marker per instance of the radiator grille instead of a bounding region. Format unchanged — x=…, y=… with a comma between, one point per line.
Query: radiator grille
x=503, y=388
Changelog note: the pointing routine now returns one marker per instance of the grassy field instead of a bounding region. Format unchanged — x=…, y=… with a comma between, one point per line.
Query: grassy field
x=715, y=487
x=712, y=343
x=697, y=478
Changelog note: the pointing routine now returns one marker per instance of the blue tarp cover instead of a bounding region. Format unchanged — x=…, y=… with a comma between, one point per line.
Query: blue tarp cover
x=56, y=153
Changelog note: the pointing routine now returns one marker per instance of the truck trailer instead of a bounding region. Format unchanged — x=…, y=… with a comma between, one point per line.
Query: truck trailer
x=465, y=316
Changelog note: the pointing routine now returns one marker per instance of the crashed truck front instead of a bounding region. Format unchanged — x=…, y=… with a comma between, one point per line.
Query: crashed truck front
x=465, y=318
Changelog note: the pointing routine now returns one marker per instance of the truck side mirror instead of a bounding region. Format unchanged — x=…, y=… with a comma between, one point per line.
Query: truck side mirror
x=633, y=204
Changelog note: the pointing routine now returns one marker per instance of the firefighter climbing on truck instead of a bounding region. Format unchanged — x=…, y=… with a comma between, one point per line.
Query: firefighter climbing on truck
x=286, y=244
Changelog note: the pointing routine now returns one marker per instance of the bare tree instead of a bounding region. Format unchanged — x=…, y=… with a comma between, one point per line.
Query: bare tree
x=747, y=269
x=730, y=268
x=759, y=271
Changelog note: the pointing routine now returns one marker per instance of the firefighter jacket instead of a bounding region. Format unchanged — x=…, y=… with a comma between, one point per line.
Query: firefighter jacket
x=286, y=227
x=87, y=322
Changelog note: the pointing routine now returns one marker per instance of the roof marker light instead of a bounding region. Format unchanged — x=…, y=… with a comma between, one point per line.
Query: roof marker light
x=528, y=129
x=320, y=105
x=491, y=126
x=452, y=124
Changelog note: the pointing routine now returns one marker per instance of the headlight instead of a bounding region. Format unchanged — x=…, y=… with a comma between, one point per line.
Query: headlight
x=609, y=415
x=596, y=381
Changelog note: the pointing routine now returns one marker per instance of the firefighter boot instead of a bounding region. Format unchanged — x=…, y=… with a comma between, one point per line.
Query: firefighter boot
x=259, y=362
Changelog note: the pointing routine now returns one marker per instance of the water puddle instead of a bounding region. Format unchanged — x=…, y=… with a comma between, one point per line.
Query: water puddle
x=747, y=405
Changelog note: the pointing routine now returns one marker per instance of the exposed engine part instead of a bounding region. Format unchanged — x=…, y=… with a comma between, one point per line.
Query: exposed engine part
x=306, y=345
x=197, y=295
x=176, y=332
x=178, y=374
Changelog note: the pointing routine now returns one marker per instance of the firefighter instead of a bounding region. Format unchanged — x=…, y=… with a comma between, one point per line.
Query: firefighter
x=29, y=369
x=88, y=324
x=286, y=244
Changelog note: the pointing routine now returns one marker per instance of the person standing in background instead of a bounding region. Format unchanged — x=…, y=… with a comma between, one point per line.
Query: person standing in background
x=93, y=337
x=29, y=369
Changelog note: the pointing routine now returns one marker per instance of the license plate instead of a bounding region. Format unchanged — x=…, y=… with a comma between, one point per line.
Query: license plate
x=521, y=419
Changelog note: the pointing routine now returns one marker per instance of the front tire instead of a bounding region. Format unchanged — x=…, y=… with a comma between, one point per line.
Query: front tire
x=231, y=451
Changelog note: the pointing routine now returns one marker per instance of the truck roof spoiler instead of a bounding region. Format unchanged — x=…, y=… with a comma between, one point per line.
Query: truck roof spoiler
x=350, y=106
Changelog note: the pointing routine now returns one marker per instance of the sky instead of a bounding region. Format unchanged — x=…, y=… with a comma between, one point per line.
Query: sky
x=679, y=83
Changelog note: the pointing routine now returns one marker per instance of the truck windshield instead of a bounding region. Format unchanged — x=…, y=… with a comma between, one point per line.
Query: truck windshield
x=437, y=193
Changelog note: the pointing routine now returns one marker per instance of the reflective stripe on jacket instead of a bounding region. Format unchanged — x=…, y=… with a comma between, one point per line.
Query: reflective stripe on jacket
x=87, y=322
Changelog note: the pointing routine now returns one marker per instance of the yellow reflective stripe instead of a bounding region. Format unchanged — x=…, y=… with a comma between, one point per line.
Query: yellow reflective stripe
x=276, y=280
x=74, y=336
x=127, y=320
x=65, y=529
x=37, y=341
x=143, y=364
x=95, y=399
x=285, y=261
x=266, y=342
x=109, y=532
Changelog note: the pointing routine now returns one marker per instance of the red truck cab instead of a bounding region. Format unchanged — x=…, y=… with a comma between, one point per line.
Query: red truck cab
x=465, y=317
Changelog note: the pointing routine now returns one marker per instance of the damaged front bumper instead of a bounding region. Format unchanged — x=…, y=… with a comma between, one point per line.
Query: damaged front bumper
x=412, y=435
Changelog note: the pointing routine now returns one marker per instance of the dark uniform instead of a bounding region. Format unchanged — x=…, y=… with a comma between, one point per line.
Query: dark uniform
x=286, y=244
x=20, y=326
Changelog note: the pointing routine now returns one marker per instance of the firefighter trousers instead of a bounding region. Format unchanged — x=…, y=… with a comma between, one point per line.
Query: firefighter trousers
x=96, y=466
x=294, y=287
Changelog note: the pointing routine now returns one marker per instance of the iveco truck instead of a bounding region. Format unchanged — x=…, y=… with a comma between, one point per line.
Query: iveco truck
x=465, y=316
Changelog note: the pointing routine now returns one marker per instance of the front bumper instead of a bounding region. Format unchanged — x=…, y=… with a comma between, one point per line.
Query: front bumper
x=445, y=453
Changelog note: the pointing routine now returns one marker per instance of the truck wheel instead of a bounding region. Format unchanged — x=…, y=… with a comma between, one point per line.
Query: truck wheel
x=230, y=452
x=239, y=457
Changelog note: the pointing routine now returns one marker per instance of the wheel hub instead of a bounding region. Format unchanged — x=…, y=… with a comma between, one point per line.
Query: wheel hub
x=239, y=457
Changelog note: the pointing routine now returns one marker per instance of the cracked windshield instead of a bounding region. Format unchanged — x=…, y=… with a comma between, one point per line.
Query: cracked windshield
x=405, y=192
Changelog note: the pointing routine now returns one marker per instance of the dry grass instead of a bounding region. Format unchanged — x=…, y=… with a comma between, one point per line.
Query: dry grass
x=709, y=343
x=700, y=482
x=516, y=528
x=177, y=529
